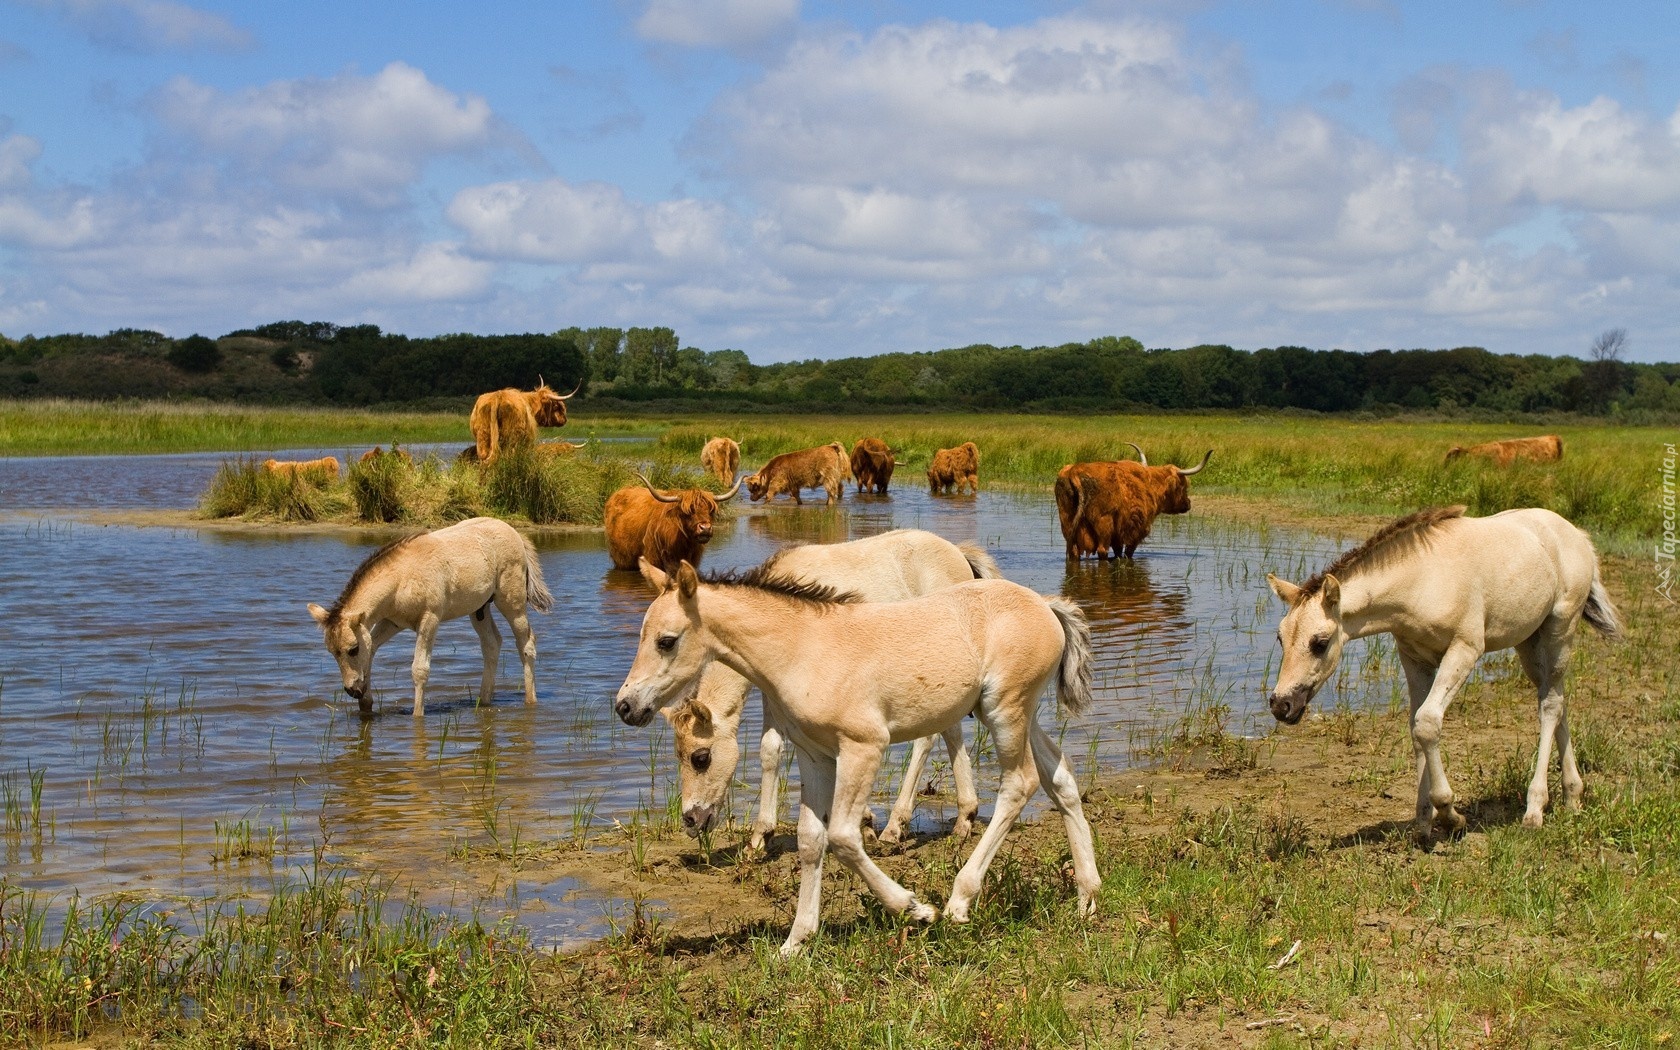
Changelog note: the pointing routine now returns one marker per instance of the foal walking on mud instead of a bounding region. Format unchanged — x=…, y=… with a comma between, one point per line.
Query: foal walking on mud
x=1450, y=588
x=845, y=680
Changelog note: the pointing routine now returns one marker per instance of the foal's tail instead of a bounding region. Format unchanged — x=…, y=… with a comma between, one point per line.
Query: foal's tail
x=983, y=565
x=536, y=591
x=1073, y=682
x=1599, y=612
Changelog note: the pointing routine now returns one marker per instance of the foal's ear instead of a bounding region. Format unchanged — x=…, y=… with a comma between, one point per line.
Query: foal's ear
x=653, y=574
x=319, y=613
x=688, y=581
x=1284, y=589
x=1332, y=595
x=702, y=718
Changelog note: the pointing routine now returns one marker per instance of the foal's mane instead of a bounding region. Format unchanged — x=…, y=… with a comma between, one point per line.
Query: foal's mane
x=368, y=564
x=766, y=578
x=1410, y=525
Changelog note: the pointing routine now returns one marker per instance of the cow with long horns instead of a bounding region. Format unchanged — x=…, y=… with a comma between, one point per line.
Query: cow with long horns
x=509, y=417
x=666, y=528
x=1107, y=508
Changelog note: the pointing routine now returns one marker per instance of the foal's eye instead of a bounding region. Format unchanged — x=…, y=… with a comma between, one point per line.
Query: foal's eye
x=666, y=643
x=701, y=760
x=353, y=650
x=1320, y=646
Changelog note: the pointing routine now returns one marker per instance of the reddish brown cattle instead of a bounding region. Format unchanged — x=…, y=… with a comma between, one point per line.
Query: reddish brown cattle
x=314, y=469
x=377, y=452
x=505, y=418
x=1108, y=508
x=823, y=467
x=666, y=528
x=558, y=448
x=954, y=468
x=1548, y=449
x=872, y=465
x=721, y=458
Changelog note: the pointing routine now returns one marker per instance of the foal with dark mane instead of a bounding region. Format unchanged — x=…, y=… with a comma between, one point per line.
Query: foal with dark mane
x=1450, y=588
x=845, y=679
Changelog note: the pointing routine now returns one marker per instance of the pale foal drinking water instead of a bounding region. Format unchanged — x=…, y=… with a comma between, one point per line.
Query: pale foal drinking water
x=1450, y=588
x=846, y=679
x=903, y=563
x=417, y=582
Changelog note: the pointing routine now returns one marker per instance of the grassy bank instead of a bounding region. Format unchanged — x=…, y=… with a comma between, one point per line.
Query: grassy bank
x=1214, y=869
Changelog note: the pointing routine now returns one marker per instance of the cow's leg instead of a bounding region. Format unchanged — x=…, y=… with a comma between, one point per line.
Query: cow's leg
x=526, y=640
x=1062, y=786
x=816, y=799
x=490, y=645
x=425, y=632
x=769, y=782
x=855, y=771
x=1454, y=668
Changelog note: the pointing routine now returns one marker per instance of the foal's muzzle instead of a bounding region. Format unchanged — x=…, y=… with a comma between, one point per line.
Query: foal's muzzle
x=1289, y=707
x=632, y=716
x=357, y=692
x=697, y=819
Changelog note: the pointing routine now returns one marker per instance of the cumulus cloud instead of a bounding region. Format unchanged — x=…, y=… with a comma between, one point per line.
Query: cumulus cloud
x=714, y=23
x=351, y=136
x=146, y=26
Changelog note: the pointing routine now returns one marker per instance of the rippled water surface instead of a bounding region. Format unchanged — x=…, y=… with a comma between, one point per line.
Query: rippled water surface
x=166, y=702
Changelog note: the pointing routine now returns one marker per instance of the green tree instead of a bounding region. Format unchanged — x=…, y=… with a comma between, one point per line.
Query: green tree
x=195, y=353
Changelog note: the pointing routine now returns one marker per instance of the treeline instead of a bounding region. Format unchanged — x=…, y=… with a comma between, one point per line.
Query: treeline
x=319, y=362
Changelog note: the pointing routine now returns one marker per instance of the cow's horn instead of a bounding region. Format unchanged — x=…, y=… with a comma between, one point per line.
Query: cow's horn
x=725, y=497
x=656, y=493
x=1143, y=460
x=1197, y=469
x=575, y=389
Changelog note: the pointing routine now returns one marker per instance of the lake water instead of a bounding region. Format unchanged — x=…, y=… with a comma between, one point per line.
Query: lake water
x=166, y=698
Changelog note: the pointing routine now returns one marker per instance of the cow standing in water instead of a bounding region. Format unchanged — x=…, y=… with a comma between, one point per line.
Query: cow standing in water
x=872, y=465
x=508, y=418
x=1108, y=508
x=954, y=468
x=666, y=528
x=823, y=467
x=721, y=458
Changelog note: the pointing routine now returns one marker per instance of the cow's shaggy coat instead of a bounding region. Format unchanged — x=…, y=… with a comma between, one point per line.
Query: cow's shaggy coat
x=1547, y=449
x=955, y=469
x=872, y=465
x=721, y=458
x=666, y=528
x=510, y=417
x=824, y=467
x=1108, y=508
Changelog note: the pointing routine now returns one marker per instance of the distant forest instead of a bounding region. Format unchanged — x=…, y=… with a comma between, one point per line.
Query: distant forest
x=296, y=362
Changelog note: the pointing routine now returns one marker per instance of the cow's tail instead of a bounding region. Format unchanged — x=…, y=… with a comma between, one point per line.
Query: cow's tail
x=845, y=460
x=1599, y=611
x=537, y=595
x=1073, y=680
x=980, y=563
x=1069, y=495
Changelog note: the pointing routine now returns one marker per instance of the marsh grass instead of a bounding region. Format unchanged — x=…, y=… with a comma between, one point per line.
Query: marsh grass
x=519, y=486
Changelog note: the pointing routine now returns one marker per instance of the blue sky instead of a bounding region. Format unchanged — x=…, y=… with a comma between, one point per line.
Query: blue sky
x=818, y=178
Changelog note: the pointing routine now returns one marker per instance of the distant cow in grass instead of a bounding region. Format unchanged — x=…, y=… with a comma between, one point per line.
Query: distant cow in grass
x=823, y=467
x=666, y=528
x=1548, y=449
x=313, y=469
x=1107, y=508
x=872, y=465
x=721, y=458
x=509, y=417
x=376, y=453
x=955, y=468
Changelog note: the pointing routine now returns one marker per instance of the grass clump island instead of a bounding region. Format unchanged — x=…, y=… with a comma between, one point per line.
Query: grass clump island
x=521, y=485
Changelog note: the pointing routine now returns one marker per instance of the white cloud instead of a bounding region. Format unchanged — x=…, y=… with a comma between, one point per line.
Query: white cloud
x=714, y=23
x=146, y=26
x=351, y=136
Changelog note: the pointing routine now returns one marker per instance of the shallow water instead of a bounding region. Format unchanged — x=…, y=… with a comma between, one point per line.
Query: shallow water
x=172, y=696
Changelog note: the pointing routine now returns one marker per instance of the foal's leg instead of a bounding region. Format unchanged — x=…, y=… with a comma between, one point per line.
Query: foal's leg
x=904, y=807
x=1426, y=734
x=490, y=644
x=1063, y=788
x=1020, y=780
x=425, y=632
x=1419, y=676
x=382, y=632
x=962, y=771
x=769, y=782
x=855, y=771
x=1544, y=656
x=525, y=640
x=816, y=798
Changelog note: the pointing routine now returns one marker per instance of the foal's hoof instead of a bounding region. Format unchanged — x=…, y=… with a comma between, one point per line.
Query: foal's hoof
x=891, y=835
x=1533, y=820
x=922, y=913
